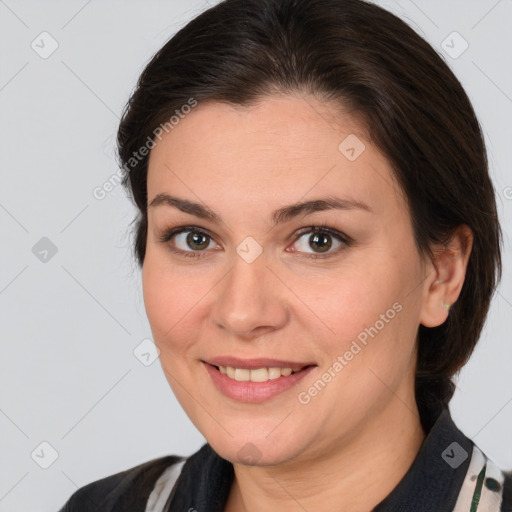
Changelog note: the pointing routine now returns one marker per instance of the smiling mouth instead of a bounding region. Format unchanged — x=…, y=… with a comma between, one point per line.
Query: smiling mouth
x=263, y=374
x=257, y=383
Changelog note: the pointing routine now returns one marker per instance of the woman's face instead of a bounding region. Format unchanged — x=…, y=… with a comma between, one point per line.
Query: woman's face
x=251, y=285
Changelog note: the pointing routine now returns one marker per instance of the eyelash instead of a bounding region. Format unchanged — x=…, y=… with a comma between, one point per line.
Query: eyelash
x=167, y=236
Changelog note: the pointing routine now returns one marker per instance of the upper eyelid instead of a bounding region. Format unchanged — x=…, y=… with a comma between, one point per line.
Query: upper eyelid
x=172, y=232
x=169, y=234
x=335, y=233
x=299, y=232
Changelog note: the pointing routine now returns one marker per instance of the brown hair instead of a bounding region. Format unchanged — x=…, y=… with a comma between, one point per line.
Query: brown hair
x=373, y=64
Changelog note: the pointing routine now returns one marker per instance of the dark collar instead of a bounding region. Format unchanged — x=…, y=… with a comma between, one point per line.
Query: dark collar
x=432, y=483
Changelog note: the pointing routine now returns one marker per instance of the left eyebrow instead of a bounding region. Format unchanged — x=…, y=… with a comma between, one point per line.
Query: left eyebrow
x=317, y=205
x=279, y=216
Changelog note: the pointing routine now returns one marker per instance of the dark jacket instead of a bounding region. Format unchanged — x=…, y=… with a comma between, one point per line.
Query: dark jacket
x=449, y=474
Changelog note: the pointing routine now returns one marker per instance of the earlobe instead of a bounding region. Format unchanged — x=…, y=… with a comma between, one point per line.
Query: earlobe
x=446, y=274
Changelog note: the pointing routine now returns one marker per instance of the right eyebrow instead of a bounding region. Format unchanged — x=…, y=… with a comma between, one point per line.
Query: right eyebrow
x=279, y=216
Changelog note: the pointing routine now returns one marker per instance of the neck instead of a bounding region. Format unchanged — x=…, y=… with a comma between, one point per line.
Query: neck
x=355, y=476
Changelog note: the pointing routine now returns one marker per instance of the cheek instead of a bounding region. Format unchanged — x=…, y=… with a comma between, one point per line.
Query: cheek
x=175, y=298
x=363, y=316
x=159, y=300
x=165, y=299
x=348, y=300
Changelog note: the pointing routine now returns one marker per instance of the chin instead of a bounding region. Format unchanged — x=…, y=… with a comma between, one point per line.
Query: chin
x=258, y=450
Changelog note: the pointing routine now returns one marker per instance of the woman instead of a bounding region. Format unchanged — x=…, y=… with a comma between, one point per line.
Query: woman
x=319, y=246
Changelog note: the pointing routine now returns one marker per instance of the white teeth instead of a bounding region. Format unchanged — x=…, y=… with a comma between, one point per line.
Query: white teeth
x=242, y=374
x=257, y=374
x=274, y=373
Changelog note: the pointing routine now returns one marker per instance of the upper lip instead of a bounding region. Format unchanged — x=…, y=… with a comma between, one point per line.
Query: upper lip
x=259, y=362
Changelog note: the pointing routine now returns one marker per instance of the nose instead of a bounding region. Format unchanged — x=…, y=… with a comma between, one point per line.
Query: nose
x=250, y=300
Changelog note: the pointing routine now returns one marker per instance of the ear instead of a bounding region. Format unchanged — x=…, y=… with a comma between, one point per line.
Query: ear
x=445, y=276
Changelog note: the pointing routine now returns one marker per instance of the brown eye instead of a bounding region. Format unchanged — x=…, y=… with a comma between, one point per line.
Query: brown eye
x=318, y=241
x=197, y=241
x=187, y=241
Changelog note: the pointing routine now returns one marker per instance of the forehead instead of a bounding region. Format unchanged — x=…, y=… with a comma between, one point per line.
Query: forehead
x=284, y=146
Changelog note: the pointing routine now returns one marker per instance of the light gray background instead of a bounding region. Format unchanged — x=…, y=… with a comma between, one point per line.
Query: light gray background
x=70, y=325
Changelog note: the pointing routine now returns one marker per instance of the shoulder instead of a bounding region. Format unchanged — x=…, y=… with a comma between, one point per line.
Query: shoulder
x=486, y=486
x=506, y=504
x=128, y=490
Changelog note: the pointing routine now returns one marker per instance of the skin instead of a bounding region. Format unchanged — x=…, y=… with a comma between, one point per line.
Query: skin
x=362, y=432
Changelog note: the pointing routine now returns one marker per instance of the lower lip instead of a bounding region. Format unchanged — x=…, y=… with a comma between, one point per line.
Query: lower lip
x=254, y=392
